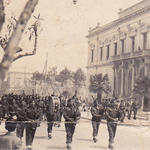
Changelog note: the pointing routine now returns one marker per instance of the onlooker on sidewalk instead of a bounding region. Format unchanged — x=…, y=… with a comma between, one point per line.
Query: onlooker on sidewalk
x=9, y=141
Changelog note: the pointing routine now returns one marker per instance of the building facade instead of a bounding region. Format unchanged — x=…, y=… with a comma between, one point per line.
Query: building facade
x=121, y=48
x=19, y=82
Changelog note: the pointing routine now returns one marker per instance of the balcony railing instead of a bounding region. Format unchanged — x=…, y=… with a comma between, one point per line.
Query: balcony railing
x=125, y=56
x=136, y=53
x=131, y=55
x=117, y=57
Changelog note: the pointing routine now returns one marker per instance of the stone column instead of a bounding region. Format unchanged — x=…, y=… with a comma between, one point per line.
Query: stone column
x=126, y=80
x=114, y=81
x=128, y=48
x=96, y=55
x=97, y=51
x=139, y=41
x=133, y=74
x=148, y=40
x=122, y=79
x=146, y=65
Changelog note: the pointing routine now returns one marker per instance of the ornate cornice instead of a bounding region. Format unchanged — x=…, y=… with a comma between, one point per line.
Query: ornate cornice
x=118, y=22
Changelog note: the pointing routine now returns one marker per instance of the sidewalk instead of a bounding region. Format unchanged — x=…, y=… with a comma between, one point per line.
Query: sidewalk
x=140, y=121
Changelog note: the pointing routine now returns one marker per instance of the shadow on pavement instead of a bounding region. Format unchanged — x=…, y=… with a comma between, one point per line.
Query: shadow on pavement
x=88, y=140
x=99, y=147
x=41, y=137
x=56, y=147
x=60, y=130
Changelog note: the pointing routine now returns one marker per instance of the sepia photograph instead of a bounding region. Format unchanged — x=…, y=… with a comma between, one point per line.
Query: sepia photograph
x=74, y=74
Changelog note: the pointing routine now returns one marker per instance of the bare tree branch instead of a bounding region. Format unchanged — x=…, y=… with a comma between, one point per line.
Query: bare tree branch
x=13, y=42
x=2, y=14
x=28, y=54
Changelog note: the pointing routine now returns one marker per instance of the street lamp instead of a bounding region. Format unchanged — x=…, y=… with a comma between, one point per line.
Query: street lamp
x=75, y=2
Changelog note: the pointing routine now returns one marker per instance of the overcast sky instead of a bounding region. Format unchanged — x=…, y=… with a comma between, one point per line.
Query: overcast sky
x=64, y=29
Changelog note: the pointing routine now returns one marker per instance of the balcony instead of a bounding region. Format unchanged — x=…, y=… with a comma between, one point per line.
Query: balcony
x=146, y=52
x=136, y=53
x=125, y=56
x=131, y=55
x=120, y=57
x=115, y=58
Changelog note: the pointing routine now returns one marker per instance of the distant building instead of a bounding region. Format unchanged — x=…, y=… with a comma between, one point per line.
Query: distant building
x=19, y=82
x=122, y=48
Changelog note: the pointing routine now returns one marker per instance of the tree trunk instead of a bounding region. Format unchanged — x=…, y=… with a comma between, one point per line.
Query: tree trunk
x=13, y=42
x=2, y=15
x=99, y=96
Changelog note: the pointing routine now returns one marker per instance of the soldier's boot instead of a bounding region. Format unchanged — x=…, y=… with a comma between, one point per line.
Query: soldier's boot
x=20, y=142
x=110, y=146
x=134, y=117
x=29, y=147
x=94, y=139
x=129, y=117
x=68, y=146
x=49, y=135
x=58, y=125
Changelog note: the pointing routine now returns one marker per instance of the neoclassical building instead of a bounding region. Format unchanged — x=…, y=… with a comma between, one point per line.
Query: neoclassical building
x=122, y=48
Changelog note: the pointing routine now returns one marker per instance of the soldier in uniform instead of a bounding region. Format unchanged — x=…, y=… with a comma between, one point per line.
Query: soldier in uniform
x=122, y=110
x=71, y=115
x=134, y=107
x=62, y=106
x=128, y=108
x=49, y=115
x=33, y=117
x=1, y=112
x=21, y=113
x=112, y=115
x=56, y=114
x=97, y=111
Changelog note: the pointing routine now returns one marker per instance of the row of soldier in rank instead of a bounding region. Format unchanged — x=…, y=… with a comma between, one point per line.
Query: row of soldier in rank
x=20, y=106
x=113, y=111
x=29, y=110
x=126, y=106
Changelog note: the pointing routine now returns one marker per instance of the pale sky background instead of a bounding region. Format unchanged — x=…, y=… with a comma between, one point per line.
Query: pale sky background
x=64, y=29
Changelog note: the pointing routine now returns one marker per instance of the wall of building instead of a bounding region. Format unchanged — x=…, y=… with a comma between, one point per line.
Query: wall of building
x=121, y=29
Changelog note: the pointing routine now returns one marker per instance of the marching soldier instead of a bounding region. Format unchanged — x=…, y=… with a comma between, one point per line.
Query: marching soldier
x=62, y=106
x=1, y=112
x=128, y=108
x=49, y=111
x=112, y=116
x=56, y=113
x=33, y=117
x=97, y=111
x=135, y=106
x=122, y=110
x=71, y=115
x=21, y=113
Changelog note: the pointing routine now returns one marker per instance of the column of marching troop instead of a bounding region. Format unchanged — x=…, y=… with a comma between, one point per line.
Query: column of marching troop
x=25, y=112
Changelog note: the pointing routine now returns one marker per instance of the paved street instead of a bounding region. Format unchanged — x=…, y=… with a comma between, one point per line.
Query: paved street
x=127, y=138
